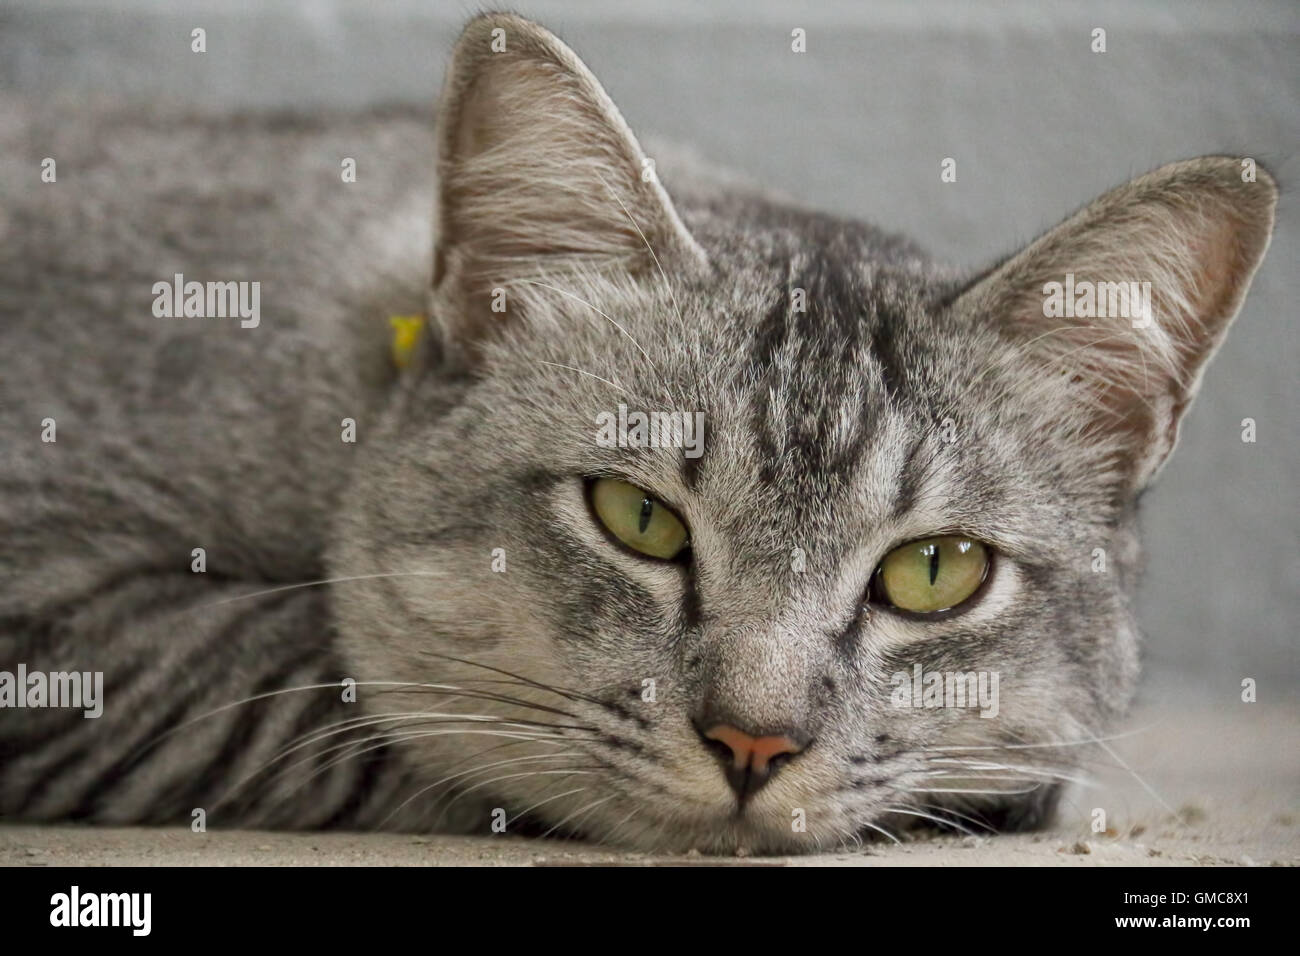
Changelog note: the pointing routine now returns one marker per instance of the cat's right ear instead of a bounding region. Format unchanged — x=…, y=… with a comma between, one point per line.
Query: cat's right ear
x=539, y=179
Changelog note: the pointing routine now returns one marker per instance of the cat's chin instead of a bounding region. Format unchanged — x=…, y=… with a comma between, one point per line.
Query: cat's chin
x=714, y=838
x=733, y=834
x=770, y=834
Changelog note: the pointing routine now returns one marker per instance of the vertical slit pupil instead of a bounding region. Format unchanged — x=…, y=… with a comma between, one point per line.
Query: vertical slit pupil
x=647, y=507
x=934, y=563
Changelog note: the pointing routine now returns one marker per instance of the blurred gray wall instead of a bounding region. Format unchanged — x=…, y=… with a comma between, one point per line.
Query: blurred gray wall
x=1037, y=122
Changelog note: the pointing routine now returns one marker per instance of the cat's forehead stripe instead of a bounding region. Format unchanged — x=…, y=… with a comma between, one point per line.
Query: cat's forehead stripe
x=821, y=319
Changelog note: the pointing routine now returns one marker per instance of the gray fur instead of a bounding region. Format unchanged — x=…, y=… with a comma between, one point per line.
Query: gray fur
x=824, y=434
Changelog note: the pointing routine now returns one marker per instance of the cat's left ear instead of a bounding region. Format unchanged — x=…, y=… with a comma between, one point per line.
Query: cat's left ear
x=539, y=177
x=1120, y=307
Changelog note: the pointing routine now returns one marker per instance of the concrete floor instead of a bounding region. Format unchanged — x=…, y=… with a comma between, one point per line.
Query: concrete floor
x=1218, y=786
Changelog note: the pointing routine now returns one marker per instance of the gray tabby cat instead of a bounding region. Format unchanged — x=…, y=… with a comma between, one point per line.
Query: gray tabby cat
x=903, y=473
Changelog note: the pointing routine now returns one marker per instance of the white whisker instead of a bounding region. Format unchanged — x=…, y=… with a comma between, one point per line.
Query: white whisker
x=931, y=817
x=587, y=809
x=573, y=368
x=313, y=584
x=611, y=321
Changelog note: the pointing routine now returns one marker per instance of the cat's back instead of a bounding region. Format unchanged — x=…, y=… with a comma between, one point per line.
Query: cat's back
x=218, y=429
x=100, y=201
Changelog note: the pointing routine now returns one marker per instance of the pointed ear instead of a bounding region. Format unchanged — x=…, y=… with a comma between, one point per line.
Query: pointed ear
x=538, y=175
x=1128, y=299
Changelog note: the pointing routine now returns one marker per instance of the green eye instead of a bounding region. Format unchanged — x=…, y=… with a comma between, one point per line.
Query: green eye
x=933, y=574
x=640, y=521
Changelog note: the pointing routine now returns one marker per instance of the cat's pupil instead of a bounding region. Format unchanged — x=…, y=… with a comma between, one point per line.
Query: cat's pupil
x=647, y=506
x=934, y=563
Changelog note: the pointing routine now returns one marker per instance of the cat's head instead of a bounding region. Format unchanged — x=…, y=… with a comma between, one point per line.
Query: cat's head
x=737, y=641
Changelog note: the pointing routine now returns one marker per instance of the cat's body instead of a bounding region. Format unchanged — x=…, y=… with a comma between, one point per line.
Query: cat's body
x=165, y=428
x=474, y=578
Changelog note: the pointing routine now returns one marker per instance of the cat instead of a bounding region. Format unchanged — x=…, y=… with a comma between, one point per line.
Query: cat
x=334, y=579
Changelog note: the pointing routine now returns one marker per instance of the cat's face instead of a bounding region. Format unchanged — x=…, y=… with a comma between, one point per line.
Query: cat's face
x=853, y=400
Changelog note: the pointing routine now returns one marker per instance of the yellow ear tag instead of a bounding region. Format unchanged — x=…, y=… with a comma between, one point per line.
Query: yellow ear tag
x=407, y=330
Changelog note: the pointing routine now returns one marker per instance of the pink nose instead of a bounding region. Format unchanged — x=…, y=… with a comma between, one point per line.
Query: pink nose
x=752, y=760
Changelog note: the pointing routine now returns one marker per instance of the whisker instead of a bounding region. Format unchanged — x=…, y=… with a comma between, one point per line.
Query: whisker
x=349, y=723
x=390, y=684
x=563, y=692
x=1000, y=793
x=313, y=584
x=1145, y=786
x=502, y=763
x=578, y=298
x=614, y=831
x=484, y=783
x=587, y=809
x=931, y=817
x=394, y=736
x=358, y=723
x=225, y=707
x=473, y=770
x=1048, y=772
x=233, y=789
x=880, y=829
x=1045, y=744
x=567, y=793
x=573, y=368
x=983, y=824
